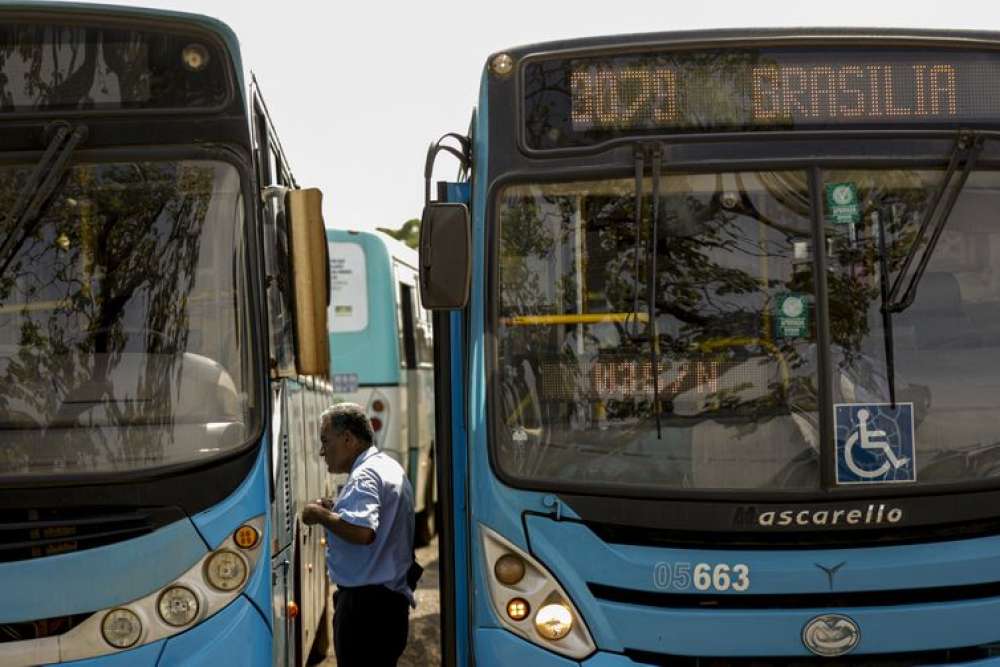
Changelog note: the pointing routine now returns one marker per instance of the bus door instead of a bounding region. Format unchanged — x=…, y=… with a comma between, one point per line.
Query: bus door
x=408, y=358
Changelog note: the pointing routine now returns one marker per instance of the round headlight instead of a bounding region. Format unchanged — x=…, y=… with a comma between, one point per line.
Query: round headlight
x=178, y=606
x=553, y=621
x=509, y=569
x=121, y=628
x=226, y=571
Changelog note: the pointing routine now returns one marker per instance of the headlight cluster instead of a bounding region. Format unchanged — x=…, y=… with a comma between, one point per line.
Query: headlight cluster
x=208, y=586
x=530, y=602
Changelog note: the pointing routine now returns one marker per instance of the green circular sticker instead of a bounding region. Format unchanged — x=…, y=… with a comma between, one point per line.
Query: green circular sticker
x=842, y=195
x=792, y=307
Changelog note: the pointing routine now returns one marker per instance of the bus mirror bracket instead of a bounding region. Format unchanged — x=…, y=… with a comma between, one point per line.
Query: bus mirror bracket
x=445, y=236
x=311, y=279
x=445, y=256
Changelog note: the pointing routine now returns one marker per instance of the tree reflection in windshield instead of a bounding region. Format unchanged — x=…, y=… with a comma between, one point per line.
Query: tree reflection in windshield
x=118, y=319
x=736, y=329
x=736, y=385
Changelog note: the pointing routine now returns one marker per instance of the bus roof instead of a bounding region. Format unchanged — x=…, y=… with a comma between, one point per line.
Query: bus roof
x=731, y=37
x=393, y=247
x=102, y=10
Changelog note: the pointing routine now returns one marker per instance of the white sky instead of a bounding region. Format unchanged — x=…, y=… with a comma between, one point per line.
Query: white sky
x=357, y=89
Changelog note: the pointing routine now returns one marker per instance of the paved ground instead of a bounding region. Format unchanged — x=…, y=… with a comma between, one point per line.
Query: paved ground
x=423, y=648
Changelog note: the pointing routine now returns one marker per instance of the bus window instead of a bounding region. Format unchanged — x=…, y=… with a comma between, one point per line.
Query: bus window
x=264, y=170
x=424, y=338
x=407, y=307
x=349, y=284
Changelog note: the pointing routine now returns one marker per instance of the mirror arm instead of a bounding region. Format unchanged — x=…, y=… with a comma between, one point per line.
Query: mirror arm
x=462, y=154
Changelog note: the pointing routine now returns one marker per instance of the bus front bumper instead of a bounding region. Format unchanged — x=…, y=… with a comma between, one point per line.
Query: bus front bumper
x=496, y=648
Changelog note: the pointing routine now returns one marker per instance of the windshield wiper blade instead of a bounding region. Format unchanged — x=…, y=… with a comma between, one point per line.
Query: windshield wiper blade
x=51, y=167
x=640, y=170
x=654, y=345
x=890, y=351
x=967, y=149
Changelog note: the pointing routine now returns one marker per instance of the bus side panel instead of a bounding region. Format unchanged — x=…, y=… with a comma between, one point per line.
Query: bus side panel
x=280, y=596
x=311, y=565
x=460, y=509
x=421, y=386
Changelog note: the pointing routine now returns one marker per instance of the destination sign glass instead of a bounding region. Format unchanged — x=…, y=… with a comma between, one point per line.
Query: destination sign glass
x=52, y=67
x=586, y=101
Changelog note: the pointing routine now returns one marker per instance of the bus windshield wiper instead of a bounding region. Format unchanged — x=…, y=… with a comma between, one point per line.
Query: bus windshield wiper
x=640, y=171
x=890, y=352
x=654, y=345
x=47, y=174
x=967, y=149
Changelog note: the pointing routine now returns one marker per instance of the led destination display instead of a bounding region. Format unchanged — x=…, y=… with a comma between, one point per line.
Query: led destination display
x=577, y=102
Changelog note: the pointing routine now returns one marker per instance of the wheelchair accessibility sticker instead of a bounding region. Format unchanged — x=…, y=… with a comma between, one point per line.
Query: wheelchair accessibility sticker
x=875, y=443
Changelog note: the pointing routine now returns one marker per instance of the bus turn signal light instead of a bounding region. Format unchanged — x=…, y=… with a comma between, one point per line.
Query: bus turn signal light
x=378, y=406
x=518, y=609
x=246, y=537
x=293, y=610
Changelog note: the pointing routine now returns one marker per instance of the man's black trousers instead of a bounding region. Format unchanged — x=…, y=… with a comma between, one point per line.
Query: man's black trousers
x=370, y=626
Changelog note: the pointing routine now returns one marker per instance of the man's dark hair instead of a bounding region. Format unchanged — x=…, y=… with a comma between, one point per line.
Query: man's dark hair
x=349, y=417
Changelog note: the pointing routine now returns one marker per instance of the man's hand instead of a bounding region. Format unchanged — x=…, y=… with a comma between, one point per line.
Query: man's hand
x=314, y=513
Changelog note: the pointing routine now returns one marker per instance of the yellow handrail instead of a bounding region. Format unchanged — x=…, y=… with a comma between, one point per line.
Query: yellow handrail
x=573, y=318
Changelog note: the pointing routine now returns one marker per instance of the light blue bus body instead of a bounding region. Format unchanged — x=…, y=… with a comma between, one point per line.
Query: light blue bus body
x=380, y=352
x=83, y=543
x=874, y=575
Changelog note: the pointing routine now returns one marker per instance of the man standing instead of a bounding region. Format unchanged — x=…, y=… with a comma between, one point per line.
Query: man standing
x=370, y=545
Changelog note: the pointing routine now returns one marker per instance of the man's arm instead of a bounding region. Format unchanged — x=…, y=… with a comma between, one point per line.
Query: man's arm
x=314, y=513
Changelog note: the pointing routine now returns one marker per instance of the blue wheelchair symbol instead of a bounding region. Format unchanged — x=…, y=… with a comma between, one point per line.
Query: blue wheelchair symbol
x=874, y=443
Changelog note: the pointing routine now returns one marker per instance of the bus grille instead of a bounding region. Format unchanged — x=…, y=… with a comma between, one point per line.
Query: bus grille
x=36, y=533
x=876, y=598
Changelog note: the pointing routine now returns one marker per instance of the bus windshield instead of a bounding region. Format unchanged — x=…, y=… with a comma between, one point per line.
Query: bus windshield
x=123, y=319
x=729, y=356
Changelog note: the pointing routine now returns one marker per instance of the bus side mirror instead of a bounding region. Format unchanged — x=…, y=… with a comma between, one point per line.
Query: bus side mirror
x=311, y=279
x=445, y=256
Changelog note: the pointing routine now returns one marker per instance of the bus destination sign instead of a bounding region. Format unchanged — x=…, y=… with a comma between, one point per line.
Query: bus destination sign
x=584, y=101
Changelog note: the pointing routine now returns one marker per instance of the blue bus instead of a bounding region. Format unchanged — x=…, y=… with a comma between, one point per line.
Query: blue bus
x=717, y=314
x=163, y=351
x=382, y=353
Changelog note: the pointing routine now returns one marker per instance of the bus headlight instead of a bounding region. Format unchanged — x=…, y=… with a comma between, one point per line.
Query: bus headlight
x=178, y=606
x=509, y=569
x=121, y=628
x=225, y=570
x=553, y=621
x=207, y=587
x=520, y=584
